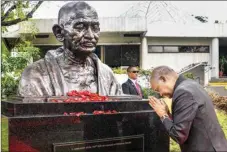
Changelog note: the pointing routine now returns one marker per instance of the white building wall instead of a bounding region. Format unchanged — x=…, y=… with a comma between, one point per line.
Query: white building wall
x=107, y=24
x=117, y=38
x=175, y=60
x=105, y=39
x=187, y=30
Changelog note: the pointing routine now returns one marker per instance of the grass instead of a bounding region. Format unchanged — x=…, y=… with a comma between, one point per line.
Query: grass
x=4, y=134
x=174, y=147
x=222, y=118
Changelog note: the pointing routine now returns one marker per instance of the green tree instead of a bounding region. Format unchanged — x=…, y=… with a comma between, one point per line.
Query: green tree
x=12, y=13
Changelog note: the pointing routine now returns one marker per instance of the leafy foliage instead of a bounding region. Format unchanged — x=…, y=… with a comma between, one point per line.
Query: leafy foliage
x=222, y=61
x=146, y=73
x=14, y=12
x=219, y=101
x=149, y=92
x=189, y=75
x=119, y=70
x=12, y=67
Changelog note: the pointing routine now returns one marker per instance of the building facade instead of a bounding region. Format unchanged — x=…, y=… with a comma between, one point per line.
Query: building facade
x=128, y=41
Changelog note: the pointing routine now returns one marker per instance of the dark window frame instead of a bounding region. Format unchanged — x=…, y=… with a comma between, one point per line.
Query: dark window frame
x=121, y=54
x=163, y=51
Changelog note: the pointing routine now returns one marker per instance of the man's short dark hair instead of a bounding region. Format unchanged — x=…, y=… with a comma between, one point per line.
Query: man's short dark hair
x=130, y=67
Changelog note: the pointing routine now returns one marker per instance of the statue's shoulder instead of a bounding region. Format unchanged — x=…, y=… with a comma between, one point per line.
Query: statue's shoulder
x=35, y=80
x=40, y=66
x=54, y=53
x=101, y=66
x=35, y=69
x=105, y=67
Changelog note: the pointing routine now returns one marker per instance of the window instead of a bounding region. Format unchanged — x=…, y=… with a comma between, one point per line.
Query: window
x=180, y=49
x=122, y=55
x=193, y=49
x=113, y=56
x=157, y=49
x=97, y=51
x=171, y=49
x=130, y=55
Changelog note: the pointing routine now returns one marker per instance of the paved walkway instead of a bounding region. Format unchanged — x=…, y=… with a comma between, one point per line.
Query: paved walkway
x=219, y=89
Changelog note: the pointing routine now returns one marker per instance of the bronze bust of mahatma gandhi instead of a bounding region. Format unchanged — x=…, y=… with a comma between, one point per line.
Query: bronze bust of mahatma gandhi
x=73, y=66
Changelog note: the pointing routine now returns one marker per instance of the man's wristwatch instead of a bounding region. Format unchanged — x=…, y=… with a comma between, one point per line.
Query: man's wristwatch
x=164, y=117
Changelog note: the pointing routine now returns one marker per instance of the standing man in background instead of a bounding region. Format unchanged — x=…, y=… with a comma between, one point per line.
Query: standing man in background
x=131, y=86
x=135, y=124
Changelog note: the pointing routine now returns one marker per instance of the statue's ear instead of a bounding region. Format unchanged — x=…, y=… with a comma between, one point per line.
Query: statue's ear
x=58, y=32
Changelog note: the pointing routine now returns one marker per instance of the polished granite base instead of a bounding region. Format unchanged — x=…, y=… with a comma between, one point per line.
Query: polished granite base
x=125, y=131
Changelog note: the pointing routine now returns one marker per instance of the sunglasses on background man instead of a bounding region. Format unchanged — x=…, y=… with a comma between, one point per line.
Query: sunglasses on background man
x=134, y=71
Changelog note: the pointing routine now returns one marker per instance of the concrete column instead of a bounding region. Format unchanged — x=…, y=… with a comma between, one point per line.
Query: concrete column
x=143, y=51
x=215, y=58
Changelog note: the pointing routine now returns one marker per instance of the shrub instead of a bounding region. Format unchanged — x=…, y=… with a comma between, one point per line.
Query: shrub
x=219, y=101
x=9, y=85
x=119, y=70
x=145, y=73
x=12, y=67
x=189, y=75
x=149, y=92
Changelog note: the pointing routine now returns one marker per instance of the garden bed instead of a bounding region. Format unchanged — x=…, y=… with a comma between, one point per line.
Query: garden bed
x=220, y=102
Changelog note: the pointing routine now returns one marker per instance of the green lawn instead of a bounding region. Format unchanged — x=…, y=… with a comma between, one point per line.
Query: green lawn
x=4, y=134
x=222, y=117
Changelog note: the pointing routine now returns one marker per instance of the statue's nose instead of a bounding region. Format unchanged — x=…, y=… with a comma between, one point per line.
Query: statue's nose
x=89, y=33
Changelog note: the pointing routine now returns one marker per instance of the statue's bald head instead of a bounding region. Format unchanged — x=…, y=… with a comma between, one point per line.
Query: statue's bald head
x=78, y=27
x=76, y=10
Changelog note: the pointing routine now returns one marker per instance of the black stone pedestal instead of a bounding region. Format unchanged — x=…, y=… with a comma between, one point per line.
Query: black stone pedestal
x=42, y=127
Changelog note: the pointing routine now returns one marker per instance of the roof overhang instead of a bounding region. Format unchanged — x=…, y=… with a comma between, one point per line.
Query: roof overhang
x=107, y=24
x=187, y=30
